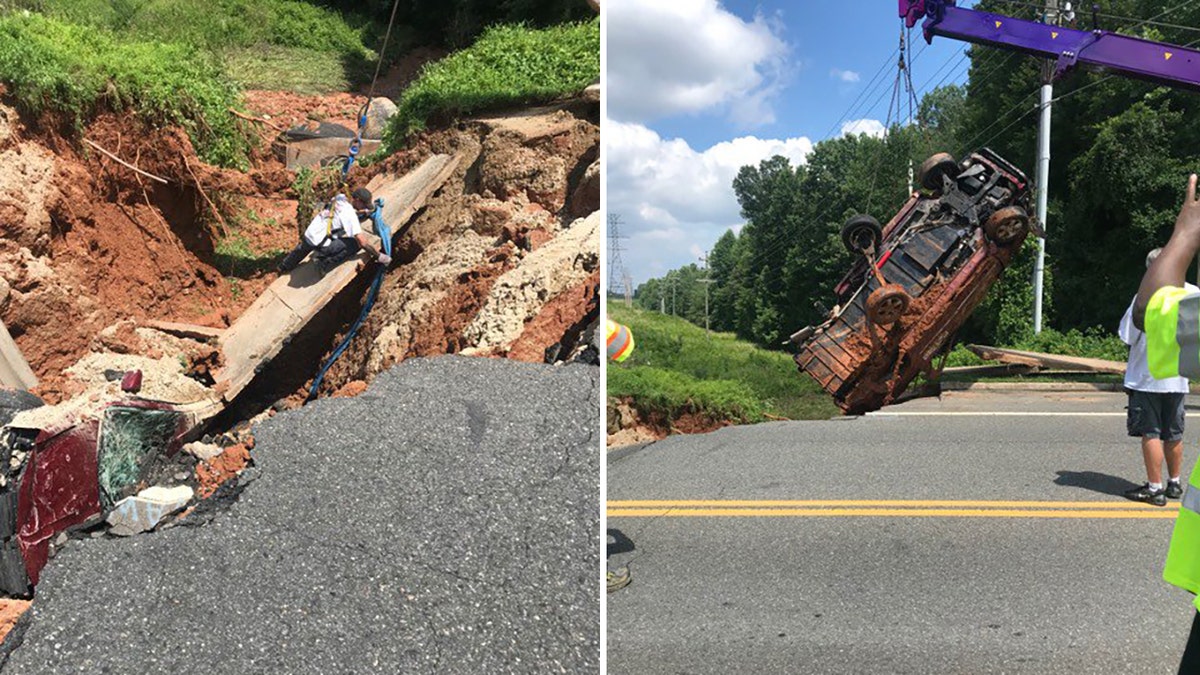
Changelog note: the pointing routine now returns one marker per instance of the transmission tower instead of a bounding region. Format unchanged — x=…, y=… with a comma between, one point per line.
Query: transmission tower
x=616, y=270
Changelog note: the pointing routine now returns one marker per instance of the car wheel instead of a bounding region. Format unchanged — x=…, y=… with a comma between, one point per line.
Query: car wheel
x=1006, y=225
x=861, y=234
x=932, y=170
x=886, y=304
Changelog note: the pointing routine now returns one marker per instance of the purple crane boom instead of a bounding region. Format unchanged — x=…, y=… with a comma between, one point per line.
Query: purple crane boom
x=1167, y=64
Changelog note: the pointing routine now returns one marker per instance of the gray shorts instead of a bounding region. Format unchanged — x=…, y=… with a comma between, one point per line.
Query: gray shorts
x=1154, y=415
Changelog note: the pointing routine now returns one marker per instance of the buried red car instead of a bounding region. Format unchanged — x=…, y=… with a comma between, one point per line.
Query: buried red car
x=917, y=280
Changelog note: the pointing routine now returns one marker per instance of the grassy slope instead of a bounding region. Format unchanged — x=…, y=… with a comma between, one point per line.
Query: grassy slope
x=175, y=61
x=508, y=65
x=675, y=367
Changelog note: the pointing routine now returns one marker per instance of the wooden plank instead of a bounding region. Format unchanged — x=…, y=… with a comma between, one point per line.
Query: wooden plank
x=1047, y=360
x=986, y=371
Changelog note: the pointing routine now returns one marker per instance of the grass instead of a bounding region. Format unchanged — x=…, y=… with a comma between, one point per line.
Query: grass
x=675, y=368
x=304, y=71
x=177, y=61
x=508, y=65
x=75, y=70
x=235, y=256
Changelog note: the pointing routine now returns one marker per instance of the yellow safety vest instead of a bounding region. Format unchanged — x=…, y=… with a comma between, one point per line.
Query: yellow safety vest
x=620, y=341
x=1173, y=348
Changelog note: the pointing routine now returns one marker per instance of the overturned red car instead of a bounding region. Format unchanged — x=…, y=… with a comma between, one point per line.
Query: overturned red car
x=917, y=279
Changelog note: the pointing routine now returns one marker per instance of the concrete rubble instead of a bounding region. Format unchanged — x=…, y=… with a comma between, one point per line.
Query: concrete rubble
x=146, y=510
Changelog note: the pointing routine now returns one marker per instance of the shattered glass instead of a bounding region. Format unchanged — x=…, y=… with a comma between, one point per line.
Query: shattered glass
x=129, y=440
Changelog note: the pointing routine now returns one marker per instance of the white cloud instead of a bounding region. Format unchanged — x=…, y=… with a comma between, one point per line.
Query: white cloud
x=670, y=58
x=844, y=75
x=675, y=201
x=869, y=127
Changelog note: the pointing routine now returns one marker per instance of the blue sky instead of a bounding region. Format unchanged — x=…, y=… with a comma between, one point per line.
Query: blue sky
x=697, y=88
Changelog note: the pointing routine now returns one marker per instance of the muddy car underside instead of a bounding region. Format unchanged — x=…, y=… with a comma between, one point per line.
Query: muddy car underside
x=916, y=280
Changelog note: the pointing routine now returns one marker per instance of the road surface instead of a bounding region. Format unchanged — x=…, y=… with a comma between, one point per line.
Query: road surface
x=983, y=533
x=446, y=520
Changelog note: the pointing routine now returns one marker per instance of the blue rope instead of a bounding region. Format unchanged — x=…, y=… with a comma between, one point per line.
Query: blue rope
x=385, y=235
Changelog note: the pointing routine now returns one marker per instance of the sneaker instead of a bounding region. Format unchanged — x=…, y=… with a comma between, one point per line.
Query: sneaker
x=1145, y=494
x=1174, y=490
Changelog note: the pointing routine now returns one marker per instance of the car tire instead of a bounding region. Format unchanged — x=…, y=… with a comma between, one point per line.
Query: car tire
x=886, y=304
x=1006, y=225
x=860, y=233
x=932, y=170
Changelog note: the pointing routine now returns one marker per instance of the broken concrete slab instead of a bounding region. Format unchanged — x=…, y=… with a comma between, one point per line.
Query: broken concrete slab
x=404, y=195
x=1047, y=360
x=318, y=152
x=146, y=510
x=14, y=369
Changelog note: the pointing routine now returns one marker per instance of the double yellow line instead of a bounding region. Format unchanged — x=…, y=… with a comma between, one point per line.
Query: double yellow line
x=904, y=508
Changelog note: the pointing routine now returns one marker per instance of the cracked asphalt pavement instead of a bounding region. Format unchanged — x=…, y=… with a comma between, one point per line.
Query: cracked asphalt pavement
x=444, y=520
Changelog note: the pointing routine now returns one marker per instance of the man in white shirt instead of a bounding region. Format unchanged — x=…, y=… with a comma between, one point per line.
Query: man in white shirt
x=1155, y=413
x=337, y=237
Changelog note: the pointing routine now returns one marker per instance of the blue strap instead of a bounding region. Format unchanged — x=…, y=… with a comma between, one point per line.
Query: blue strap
x=385, y=235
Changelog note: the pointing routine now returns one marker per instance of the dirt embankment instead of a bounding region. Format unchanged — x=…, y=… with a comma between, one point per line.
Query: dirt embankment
x=500, y=262
x=629, y=425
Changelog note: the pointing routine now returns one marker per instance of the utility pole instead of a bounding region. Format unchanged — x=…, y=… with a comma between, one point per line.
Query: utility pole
x=628, y=282
x=1043, y=173
x=662, y=301
x=616, y=271
x=673, y=279
x=706, y=281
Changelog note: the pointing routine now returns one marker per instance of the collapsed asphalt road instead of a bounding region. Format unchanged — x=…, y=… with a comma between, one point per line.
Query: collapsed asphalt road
x=445, y=519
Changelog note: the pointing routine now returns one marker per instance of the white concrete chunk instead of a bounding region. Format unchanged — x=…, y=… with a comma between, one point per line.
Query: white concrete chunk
x=145, y=510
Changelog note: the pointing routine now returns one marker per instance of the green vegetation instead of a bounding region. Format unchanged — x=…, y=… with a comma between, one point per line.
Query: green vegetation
x=176, y=61
x=73, y=69
x=235, y=256
x=304, y=71
x=456, y=23
x=675, y=368
x=509, y=65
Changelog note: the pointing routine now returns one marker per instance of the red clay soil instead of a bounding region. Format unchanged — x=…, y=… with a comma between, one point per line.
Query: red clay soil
x=121, y=246
x=114, y=255
x=287, y=109
x=11, y=610
x=441, y=330
x=352, y=388
x=554, y=319
x=211, y=474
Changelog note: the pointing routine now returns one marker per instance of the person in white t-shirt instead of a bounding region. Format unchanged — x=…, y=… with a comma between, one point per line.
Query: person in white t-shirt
x=1155, y=414
x=335, y=239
